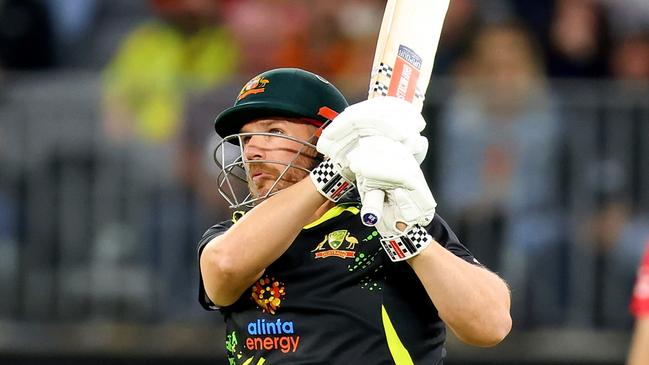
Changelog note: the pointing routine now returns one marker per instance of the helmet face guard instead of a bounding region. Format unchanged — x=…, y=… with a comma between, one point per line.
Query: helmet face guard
x=283, y=92
x=234, y=177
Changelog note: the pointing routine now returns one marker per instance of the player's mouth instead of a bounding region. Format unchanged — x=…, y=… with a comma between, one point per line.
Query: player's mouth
x=261, y=176
x=258, y=175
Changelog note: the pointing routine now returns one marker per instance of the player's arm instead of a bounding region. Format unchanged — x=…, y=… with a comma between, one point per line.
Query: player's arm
x=471, y=300
x=639, y=350
x=233, y=261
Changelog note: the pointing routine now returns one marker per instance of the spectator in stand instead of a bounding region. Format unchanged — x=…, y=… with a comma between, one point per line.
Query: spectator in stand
x=462, y=20
x=184, y=49
x=500, y=136
x=613, y=230
x=630, y=58
x=578, y=40
x=283, y=33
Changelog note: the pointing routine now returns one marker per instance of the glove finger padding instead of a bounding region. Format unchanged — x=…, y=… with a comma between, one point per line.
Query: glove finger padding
x=387, y=116
x=385, y=164
x=402, y=206
x=382, y=164
x=381, y=116
x=418, y=146
x=411, y=206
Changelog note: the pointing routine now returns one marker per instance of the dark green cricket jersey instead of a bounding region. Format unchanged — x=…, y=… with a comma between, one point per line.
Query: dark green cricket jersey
x=334, y=297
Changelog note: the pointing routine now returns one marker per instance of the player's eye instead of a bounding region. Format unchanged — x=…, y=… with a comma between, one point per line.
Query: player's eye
x=276, y=131
x=245, y=140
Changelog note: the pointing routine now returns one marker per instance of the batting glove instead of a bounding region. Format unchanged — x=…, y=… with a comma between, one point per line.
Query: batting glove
x=329, y=180
x=381, y=116
x=380, y=163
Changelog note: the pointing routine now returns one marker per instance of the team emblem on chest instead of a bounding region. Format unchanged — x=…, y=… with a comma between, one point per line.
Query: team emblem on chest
x=339, y=243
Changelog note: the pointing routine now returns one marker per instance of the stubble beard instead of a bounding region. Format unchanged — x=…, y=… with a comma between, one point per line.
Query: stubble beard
x=290, y=177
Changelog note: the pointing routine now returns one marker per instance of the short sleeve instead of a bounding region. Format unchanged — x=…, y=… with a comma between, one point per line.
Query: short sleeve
x=443, y=234
x=209, y=235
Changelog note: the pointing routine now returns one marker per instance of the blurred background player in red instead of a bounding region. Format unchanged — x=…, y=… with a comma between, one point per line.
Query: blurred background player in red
x=639, y=351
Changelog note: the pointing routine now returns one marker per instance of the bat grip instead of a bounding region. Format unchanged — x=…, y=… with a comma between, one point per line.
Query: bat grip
x=372, y=208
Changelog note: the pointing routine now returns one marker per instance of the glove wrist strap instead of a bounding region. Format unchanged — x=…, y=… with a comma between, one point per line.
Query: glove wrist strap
x=329, y=181
x=407, y=245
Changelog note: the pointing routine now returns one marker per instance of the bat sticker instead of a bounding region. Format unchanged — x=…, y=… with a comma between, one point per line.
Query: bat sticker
x=405, y=75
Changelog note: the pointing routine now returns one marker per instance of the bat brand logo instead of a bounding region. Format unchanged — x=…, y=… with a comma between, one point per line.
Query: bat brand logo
x=334, y=241
x=410, y=56
x=255, y=86
x=406, y=72
x=370, y=219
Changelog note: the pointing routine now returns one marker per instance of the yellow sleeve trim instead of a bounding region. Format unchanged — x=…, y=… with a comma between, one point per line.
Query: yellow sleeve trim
x=399, y=352
x=236, y=215
x=334, y=212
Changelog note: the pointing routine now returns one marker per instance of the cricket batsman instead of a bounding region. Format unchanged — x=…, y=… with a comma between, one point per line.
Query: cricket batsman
x=297, y=276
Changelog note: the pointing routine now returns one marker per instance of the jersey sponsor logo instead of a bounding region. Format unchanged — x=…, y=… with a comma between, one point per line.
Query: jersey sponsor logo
x=262, y=327
x=268, y=293
x=255, y=86
x=272, y=335
x=332, y=245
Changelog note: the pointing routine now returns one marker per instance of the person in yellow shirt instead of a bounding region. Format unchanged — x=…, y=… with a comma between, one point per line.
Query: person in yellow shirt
x=185, y=49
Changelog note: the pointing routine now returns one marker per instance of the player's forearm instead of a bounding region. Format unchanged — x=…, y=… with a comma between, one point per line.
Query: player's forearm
x=471, y=300
x=231, y=262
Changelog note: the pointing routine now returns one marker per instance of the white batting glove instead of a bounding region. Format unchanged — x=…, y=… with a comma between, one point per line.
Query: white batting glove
x=329, y=181
x=407, y=244
x=380, y=163
x=403, y=222
x=381, y=116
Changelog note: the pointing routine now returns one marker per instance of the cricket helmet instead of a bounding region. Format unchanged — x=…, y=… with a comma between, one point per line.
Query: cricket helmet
x=282, y=92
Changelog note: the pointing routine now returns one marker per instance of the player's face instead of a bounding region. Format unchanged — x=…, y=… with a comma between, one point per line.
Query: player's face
x=267, y=156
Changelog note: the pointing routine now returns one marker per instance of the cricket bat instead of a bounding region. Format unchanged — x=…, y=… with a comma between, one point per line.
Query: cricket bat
x=403, y=63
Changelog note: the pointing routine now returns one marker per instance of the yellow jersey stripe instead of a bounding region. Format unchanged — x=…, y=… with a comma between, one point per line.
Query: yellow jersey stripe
x=334, y=212
x=399, y=352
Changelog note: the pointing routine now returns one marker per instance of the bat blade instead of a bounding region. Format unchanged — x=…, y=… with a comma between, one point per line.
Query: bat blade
x=403, y=64
x=406, y=48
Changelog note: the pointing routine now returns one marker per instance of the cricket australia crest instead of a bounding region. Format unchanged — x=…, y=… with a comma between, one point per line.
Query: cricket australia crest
x=339, y=243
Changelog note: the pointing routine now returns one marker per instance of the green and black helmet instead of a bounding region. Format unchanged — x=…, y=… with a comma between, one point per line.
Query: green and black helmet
x=282, y=92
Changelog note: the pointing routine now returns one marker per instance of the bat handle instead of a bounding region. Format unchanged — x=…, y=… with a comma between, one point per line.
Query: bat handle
x=372, y=208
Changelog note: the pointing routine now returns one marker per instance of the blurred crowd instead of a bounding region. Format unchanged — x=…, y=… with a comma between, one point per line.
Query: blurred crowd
x=169, y=66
